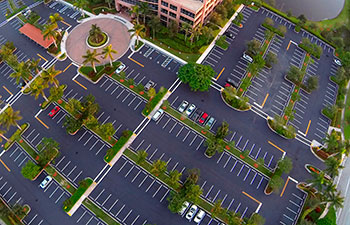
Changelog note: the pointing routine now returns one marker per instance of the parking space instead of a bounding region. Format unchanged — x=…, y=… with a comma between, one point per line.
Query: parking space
x=295, y=203
x=4, y=6
x=18, y=156
x=65, y=10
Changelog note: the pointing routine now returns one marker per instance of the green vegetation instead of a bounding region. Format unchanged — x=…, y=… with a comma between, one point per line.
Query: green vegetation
x=117, y=146
x=89, y=72
x=129, y=83
x=276, y=182
x=15, y=11
x=99, y=212
x=347, y=117
x=152, y=103
x=222, y=43
x=15, y=136
x=30, y=170
x=278, y=125
x=230, y=96
x=83, y=186
x=269, y=24
x=310, y=48
x=197, y=76
x=101, y=42
x=329, y=219
x=13, y=215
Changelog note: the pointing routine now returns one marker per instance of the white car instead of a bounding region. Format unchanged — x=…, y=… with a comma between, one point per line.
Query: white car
x=157, y=115
x=183, y=106
x=184, y=207
x=337, y=61
x=120, y=68
x=45, y=182
x=248, y=58
x=190, y=109
x=190, y=214
x=200, y=215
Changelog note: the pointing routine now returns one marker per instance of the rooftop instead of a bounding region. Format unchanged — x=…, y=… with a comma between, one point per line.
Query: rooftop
x=34, y=33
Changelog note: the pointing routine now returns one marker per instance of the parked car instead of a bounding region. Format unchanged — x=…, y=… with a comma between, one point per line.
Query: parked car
x=45, y=182
x=203, y=118
x=190, y=109
x=157, y=115
x=183, y=106
x=198, y=218
x=196, y=114
x=190, y=214
x=210, y=122
x=120, y=68
x=185, y=205
x=337, y=61
x=149, y=85
x=247, y=57
x=54, y=111
x=232, y=82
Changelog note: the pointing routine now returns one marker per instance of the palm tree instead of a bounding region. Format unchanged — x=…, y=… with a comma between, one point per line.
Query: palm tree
x=50, y=32
x=81, y=4
x=38, y=87
x=174, y=178
x=9, y=118
x=49, y=76
x=198, y=31
x=34, y=65
x=109, y=3
x=186, y=27
x=74, y=106
x=331, y=141
x=333, y=166
x=107, y=52
x=21, y=72
x=335, y=199
x=2, y=135
x=318, y=181
x=158, y=167
x=141, y=156
x=54, y=18
x=138, y=30
x=217, y=209
x=95, y=32
x=155, y=24
x=135, y=10
x=91, y=57
x=144, y=10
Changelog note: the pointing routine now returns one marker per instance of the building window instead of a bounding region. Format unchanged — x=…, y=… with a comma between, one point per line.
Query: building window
x=133, y=2
x=163, y=18
x=153, y=1
x=153, y=7
x=165, y=4
x=186, y=20
x=173, y=7
x=172, y=14
x=188, y=13
x=164, y=11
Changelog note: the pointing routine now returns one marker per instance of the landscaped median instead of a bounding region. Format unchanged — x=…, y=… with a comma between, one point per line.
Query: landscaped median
x=112, y=152
x=94, y=77
x=208, y=134
x=153, y=102
x=78, y=196
x=16, y=136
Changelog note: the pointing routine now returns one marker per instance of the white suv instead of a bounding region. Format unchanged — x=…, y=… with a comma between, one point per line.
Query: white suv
x=200, y=215
x=157, y=115
x=120, y=68
x=191, y=212
x=45, y=182
x=183, y=106
x=247, y=57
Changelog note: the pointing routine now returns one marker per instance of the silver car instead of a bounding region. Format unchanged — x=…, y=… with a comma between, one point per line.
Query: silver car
x=183, y=106
x=120, y=68
x=45, y=182
x=190, y=214
x=190, y=109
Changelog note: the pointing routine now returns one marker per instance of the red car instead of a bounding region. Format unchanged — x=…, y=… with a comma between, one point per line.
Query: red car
x=203, y=118
x=54, y=111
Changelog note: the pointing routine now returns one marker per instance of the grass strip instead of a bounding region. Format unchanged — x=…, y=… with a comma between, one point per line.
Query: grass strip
x=70, y=202
x=15, y=136
x=99, y=212
x=154, y=101
x=222, y=43
x=139, y=89
x=116, y=148
x=206, y=133
x=15, y=12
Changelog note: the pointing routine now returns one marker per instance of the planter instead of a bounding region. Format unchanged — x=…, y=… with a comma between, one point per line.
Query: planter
x=311, y=169
x=239, y=110
x=268, y=124
x=208, y=156
x=75, y=132
x=267, y=190
x=98, y=45
x=314, y=151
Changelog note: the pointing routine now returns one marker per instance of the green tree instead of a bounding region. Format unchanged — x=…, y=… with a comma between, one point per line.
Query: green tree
x=151, y=93
x=332, y=166
x=199, y=77
x=222, y=131
x=37, y=88
x=269, y=21
x=174, y=179
x=175, y=202
x=139, y=31
x=91, y=122
x=141, y=157
x=74, y=106
x=56, y=93
x=108, y=52
x=91, y=57
x=318, y=181
x=30, y=170
x=276, y=182
x=135, y=11
x=22, y=71
x=33, y=64
x=192, y=193
x=18, y=210
x=285, y=165
x=253, y=47
x=9, y=118
x=312, y=83
x=155, y=25
x=256, y=219
x=96, y=33
x=270, y=59
x=54, y=19
x=2, y=135
x=49, y=31
x=217, y=208
x=158, y=167
x=106, y=130
x=144, y=10
x=49, y=76
x=193, y=176
x=186, y=27
x=282, y=29
x=81, y=4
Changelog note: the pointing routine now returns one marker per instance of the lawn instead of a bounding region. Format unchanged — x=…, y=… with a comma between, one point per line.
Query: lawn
x=347, y=117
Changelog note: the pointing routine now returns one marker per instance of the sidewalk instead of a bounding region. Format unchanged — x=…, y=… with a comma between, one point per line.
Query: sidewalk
x=80, y=201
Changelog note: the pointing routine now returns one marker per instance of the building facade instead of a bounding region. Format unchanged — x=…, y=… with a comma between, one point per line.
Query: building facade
x=193, y=12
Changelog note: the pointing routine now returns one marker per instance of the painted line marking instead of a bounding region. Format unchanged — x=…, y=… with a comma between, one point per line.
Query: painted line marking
x=136, y=62
x=42, y=122
x=66, y=23
x=220, y=73
x=2, y=162
x=308, y=126
x=249, y=196
x=267, y=95
x=284, y=188
x=276, y=146
x=67, y=68
x=7, y=90
x=42, y=57
x=80, y=84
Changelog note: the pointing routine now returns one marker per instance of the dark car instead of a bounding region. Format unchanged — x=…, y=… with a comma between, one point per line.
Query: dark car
x=196, y=114
x=232, y=82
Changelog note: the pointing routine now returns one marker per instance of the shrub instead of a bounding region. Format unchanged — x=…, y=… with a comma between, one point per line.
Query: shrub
x=154, y=101
x=120, y=143
x=312, y=83
x=221, y=42
x=313, y=49
x=30, y=170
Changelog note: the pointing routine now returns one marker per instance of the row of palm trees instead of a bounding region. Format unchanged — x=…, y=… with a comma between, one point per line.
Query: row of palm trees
x=50, y=29
x=8, y=118
x=91, y=57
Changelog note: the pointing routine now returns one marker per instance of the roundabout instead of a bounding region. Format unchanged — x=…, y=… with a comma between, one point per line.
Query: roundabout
x=85, y=37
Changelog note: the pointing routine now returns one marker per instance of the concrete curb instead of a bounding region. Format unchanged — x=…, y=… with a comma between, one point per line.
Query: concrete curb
x=81, y=199
x=212, y=44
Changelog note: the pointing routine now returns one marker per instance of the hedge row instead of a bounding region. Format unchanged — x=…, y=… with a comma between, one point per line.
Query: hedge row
x=84, y=185
x=116, y=148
